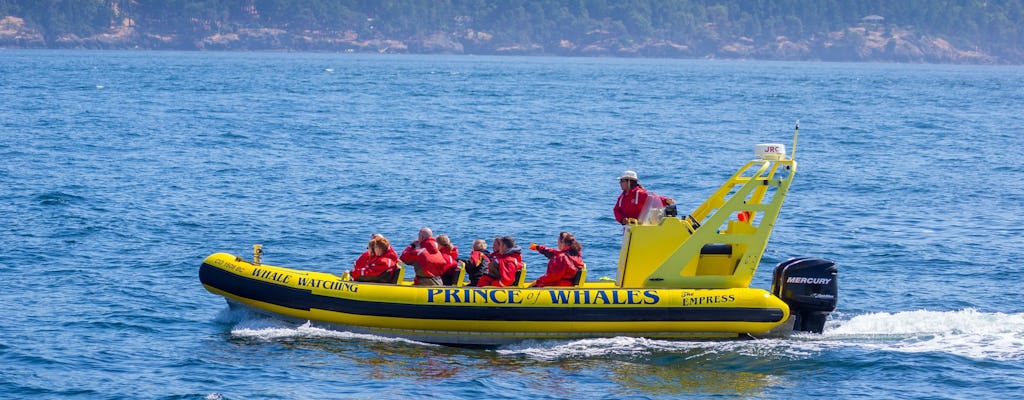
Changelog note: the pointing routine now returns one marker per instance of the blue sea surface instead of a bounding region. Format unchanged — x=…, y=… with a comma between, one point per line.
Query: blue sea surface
x=121, y=171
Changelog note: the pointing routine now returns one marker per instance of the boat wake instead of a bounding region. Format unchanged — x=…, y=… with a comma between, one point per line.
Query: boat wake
x=250, y=325
x=965, y=333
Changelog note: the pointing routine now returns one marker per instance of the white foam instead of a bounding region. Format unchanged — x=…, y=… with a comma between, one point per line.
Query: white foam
x=966, y=333
x=631, y=346
x=583, y=348
x=251, y=325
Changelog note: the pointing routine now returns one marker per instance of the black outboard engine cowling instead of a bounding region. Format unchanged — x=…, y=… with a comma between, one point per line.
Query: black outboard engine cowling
x=811, y=288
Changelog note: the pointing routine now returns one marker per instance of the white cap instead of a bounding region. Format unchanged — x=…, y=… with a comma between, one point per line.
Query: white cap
x=631, y=175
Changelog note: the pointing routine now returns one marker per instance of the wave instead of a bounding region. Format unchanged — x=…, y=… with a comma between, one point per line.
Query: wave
x=57, y=198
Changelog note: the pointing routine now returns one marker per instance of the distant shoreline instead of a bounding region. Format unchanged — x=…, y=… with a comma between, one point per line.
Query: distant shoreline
x=865, y=43
x=497, y=54
x=539, y=55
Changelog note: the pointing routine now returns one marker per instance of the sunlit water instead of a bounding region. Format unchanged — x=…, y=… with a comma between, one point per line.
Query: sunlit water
x=121, y=171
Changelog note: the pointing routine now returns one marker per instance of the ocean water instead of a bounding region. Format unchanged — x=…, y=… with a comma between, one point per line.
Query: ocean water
x=121, y=171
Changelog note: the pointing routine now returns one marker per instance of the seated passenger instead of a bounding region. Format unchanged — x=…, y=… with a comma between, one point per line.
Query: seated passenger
x=477, y=262
x=506, y=261
x=451, y=272
x=563, y=262
x=390, y=253
x=378, y=266
x=426, y=259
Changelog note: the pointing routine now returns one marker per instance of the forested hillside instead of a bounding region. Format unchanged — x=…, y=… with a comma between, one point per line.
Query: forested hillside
x=965, y=31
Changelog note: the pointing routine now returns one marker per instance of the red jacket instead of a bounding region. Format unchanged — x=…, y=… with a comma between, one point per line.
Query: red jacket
x=505, y=265
x=631, y=203
x=366, y=255
x=452, y=255
x=372, y=266
x=562, y=267
x=427, y=258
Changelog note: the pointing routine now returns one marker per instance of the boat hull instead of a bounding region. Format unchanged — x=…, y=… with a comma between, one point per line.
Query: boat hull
x=493, y=316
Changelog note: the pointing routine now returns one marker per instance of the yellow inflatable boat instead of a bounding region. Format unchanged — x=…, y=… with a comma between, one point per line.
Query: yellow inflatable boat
x=679, y=277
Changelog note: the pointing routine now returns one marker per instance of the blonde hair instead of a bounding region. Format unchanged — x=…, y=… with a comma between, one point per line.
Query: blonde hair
x=479, y=244
x=444, y=241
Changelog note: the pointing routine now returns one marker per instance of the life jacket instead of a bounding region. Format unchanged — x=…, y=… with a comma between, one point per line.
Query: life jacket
x=475, y=266
x=562, y=267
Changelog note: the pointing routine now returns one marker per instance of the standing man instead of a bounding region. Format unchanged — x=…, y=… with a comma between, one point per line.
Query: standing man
x=633, y=198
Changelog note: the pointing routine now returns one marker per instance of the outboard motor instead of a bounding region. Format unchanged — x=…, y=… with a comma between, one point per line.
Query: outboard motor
x=810, y=287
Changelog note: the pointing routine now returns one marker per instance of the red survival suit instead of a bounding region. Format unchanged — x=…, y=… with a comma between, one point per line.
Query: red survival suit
x=503, y=267
x=631, y=203
x=371, y=268
x=366, y=255
x=430, y=263
x=562, y=267
x=451, y=271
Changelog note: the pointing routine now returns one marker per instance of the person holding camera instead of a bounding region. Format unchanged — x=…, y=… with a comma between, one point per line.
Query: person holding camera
x=427, y=260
